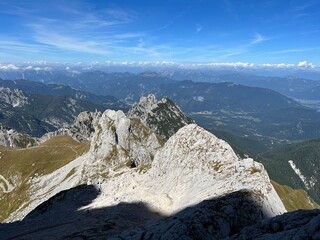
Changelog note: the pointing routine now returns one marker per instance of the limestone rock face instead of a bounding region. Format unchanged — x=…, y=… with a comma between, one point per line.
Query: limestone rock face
x=13, y=139
x=164, y=117
x=195, y=165
x=81, y=130
x=15, y=97
x=119, y=141
x=192, y=166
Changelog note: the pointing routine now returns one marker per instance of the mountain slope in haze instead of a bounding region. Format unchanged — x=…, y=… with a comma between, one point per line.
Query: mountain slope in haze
x=297, y=83
x=22, y=121
x=288, y=85
x=164, y=117
x=43, y=113
x=32, y=87
x=37, y=114
x=229, y=107
x=123, y=85
x=81, y=129
x=245, y=111
x=58, y=111
x=296, y=165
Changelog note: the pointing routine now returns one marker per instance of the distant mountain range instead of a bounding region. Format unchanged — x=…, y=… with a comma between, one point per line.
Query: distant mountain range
x=35, y=108
x=33, y=87
x=291, y=80
x=297, y=87
x=258, y=113
x=245, y=111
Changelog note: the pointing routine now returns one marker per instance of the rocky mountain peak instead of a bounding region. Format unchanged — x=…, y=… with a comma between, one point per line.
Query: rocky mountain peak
x=15, y=97
x=148, y=103
x=120, y=141
x=164, y=117
x=81, y=130
x=194, y=164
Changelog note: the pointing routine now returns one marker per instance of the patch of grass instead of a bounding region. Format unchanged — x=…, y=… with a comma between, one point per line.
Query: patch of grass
x=112, y=155
x=294, y=199
x=217, y=166
x=27, y=163
x=255, y=170
x=143, y=168
x=73, y=171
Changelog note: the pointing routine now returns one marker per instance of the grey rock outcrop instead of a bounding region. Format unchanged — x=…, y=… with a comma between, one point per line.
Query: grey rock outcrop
x=302, y=224
x=119, y=141
x=217, y=218
x=81, y=130
x=15, y=97
x=13, y=139
x=164, y=117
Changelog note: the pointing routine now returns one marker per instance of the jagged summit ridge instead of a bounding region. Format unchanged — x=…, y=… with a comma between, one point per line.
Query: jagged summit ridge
x=193, y=166
x=164, y=117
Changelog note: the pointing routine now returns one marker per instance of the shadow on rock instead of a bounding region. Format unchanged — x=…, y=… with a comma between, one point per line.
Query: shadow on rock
x=61, y=217
x=235, y=215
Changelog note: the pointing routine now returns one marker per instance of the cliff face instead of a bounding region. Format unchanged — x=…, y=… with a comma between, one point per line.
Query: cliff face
x=118, y=142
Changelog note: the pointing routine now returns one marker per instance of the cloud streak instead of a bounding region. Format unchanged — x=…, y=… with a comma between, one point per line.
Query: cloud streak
x=258, y=39
x=198, y=28
x=294, y=50
x=87, y=30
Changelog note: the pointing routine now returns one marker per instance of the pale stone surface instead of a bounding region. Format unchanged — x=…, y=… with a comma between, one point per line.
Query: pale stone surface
x=13, y=139
x=81, y=130
x=192, y=166
x=14, y=97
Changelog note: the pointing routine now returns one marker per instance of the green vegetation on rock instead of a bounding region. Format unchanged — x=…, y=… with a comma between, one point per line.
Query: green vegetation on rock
x=18, y=166
x=306, y=157
x=294, y=199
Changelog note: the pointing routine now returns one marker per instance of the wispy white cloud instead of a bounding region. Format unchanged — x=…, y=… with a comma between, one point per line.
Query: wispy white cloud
x=258, y=39
x=294, y=50
x=305, y=64
x=8, y=67
x=198, y=28
x=18, y=46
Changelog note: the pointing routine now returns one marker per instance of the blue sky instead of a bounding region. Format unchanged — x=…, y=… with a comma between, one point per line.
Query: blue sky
x=274, y=31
